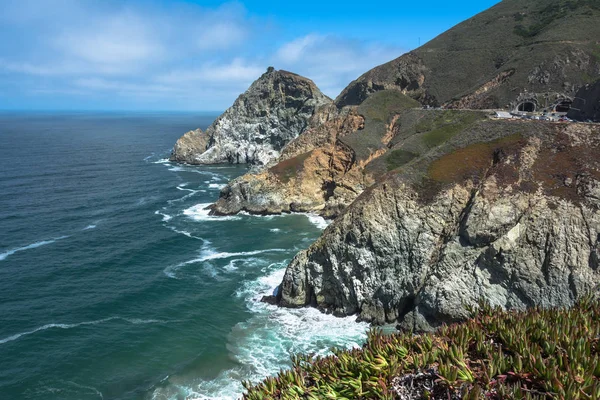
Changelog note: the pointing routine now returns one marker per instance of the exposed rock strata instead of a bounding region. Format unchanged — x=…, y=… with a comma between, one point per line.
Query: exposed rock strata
x=324, y=169
x=314, y=173
x=273, y=111
x=514, y=221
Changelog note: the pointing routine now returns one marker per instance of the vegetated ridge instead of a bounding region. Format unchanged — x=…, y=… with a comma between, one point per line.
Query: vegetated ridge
x=517, y=50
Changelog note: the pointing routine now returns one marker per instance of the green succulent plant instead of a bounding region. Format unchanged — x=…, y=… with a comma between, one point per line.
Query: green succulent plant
x=533, y=354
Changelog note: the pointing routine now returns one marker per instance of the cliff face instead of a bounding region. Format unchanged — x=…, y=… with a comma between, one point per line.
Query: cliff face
x=514, y=221
x=273, y=111
x=488, y=61
x=189, y=146
x=307, y=177
x=324, y=169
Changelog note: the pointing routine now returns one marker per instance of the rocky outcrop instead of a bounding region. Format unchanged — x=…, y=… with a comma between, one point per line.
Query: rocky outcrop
x=189, y=145
x=323, y=170
x=273, y=111
x=514, y=220
x=313, y=174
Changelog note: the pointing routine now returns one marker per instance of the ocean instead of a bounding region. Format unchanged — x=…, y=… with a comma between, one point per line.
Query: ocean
x=115, y=283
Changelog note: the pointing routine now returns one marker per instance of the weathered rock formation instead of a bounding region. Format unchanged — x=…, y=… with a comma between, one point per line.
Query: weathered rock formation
x=516, y=46
x=499, y=58
x=507, y=212
x=322, y=170
x=189, y=146
x=274, y=110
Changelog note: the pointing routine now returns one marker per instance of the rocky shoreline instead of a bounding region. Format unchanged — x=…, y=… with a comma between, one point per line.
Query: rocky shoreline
x=435, y=209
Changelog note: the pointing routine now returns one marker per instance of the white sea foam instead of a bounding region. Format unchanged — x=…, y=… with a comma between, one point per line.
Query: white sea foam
x=90, y=388
x=200, y=213
x=185, y=233
x=262, y=345
x=29, y=247
x=237, y=263
x=87, y=228
x=213, y=255
x=186, y=189
x=165, y=217
x=162, y=161
x=135, y=321
x=208, y=254
x=317, y=220
x=275, y=230
x=191, y=193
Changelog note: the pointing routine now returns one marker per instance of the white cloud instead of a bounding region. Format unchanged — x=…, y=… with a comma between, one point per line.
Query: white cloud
x=293, y=51
x=222, y=35
x=330, y=61
x=122, y=87
x=171, y=50
x=116, y=40
x=238, y=71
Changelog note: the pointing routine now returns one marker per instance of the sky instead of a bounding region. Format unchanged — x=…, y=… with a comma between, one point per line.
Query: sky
x=159, y=55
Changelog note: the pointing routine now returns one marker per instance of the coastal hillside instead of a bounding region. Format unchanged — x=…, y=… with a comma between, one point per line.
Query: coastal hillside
x=519, y=51
x=325, y=168
x=535, y=354
x=437, y=208
x=274, y=110
x=504, y=211
x=528, y=55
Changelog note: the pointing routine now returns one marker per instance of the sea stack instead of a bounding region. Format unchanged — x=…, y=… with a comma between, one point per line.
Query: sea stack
x=274, y=110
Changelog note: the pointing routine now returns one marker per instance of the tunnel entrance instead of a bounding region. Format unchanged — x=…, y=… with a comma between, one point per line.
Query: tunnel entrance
x=526, y=106
x=563, y=106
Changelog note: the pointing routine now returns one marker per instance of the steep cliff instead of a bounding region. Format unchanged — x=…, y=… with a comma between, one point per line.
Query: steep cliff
x=505, y=211
x=324, y=169
x=274, y=110
x=497, y=58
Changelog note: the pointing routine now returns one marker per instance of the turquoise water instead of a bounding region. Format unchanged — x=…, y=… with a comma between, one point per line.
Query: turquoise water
x=116, y=284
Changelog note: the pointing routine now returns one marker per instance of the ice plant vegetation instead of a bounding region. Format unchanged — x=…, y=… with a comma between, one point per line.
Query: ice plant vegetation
x=533, y=354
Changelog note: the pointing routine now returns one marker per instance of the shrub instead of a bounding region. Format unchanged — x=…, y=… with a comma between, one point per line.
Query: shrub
x=539, y=353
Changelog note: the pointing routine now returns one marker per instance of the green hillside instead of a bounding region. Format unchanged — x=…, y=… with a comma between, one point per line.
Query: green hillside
x=505, y=54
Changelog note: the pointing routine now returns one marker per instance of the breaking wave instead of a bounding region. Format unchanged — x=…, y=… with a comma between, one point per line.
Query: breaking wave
x=4, y=255
x=135, y=321
x=262, y=345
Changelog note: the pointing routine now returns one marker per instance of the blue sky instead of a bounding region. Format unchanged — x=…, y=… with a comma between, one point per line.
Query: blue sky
x=198, y=55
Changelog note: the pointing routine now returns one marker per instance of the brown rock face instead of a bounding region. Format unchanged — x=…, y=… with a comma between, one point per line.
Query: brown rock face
x=314, y=173
x=514, y=220
x=189, y=145
x=325, y=168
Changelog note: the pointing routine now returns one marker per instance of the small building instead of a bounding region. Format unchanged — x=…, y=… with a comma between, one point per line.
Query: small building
x=503, y=114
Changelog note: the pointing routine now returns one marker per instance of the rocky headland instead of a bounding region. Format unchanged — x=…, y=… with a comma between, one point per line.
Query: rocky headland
x=435, y=208
x=507, y=212
x=274, y=110
x=325, y=168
